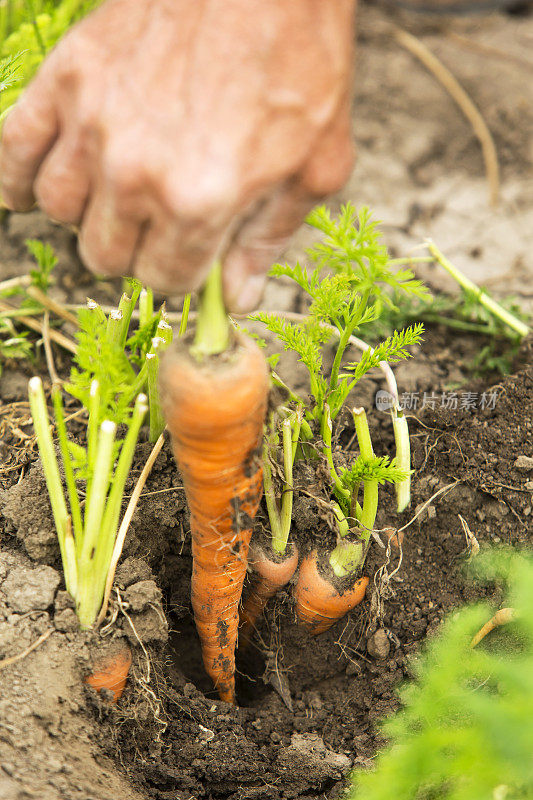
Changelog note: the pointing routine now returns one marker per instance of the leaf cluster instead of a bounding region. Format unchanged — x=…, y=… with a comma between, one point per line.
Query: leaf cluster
x=378, y=468
x=28, y=30
x=463, y=312
x=353, y=246
x=98, y=357
x=341, y=301
x=15, y=344
x=466, y=729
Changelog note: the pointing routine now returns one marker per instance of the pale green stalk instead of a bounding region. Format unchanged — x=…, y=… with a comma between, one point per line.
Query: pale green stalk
x=97, y=310
x=212, y=323
x=164, y=332
x=349, y=556
x=327, y=429
x=184, y=315
x=403, y=458
x=279, y=544
x=482, y=297
x=87, y=600
x=270, y=495
x=109, y=526
x=92, y=429
x=146, y=307
x=126, y=306
x=371, y=487
x=75, y=509
x=344, y=340
x=41, y=424
x=114, y=327
x=157, y=420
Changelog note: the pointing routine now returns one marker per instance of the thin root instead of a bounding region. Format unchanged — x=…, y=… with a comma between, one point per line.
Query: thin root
x=6, y=662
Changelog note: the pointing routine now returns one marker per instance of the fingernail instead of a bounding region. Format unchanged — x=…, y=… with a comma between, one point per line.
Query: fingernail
x=249, y=294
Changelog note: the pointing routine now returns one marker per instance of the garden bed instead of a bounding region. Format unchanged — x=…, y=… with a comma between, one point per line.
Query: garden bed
x=309, y=708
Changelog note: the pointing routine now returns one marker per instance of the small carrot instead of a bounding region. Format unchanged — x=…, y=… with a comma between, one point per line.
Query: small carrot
x=214, y=407
x=112, y=673
x=270, y=577
x=318, y=603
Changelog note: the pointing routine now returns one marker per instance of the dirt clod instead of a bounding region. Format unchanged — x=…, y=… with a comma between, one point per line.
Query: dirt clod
x=28, y=589
x=523, y=464
x=378, y=645
x=142, y=594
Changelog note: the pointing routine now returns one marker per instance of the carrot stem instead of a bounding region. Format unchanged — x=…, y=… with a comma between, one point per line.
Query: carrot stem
x=481, y=296
x=75, y=509
x=86, y=596
x=41, y=424
x=109, y=526
x=184, y=315
x=164, y=332
x=347, y=556
x=125, y=306
x=114, y=327
x=212, y=323
x=340, y=490
x=157, y=422
x=370, y=499
x=146, y=307
x=270, y=495
x=403, y=458
x=279, y=544
x=92, y=430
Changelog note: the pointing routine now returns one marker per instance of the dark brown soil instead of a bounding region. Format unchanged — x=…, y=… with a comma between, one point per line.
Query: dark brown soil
x=309, y=708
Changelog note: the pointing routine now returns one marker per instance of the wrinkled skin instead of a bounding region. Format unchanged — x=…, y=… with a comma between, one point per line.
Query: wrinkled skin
x=173, y=131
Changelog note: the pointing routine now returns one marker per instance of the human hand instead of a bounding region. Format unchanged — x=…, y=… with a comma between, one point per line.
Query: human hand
x=173, y=132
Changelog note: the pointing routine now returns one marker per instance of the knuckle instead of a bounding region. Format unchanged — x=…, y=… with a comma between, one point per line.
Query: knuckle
x=11, y=131
x=99, y=257
x=204, y=195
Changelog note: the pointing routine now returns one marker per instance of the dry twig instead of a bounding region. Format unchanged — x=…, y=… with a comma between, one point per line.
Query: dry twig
x=56, y=336
x=54, y=377
x=52, y=305
x=458, y=94
x=501, y=617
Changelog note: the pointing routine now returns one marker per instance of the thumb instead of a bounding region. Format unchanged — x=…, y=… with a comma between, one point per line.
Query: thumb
x=260, y=241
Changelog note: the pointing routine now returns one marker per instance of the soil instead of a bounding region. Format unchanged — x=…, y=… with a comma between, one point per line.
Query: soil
x=309, y=707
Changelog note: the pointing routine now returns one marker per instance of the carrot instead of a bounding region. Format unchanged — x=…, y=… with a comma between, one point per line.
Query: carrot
x=214, y=410
x=112, y=673
x=270, y=577
x=318, y=603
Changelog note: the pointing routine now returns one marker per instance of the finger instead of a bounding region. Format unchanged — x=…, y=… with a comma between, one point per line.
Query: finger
x=260, y=241
x=29, y=132
x=174, y=257
x=107, y=240
x=61, y=187
x=332, y=158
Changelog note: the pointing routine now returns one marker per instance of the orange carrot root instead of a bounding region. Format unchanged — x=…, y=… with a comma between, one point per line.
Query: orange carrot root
x=318, y=603
x=215, y=412
x=393, y=536
x=112, y=673
x=270, y=577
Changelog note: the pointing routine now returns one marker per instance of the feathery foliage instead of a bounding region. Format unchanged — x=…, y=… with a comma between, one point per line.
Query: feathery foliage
x=466, y=729
x=342, y=302
x=28, y=31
